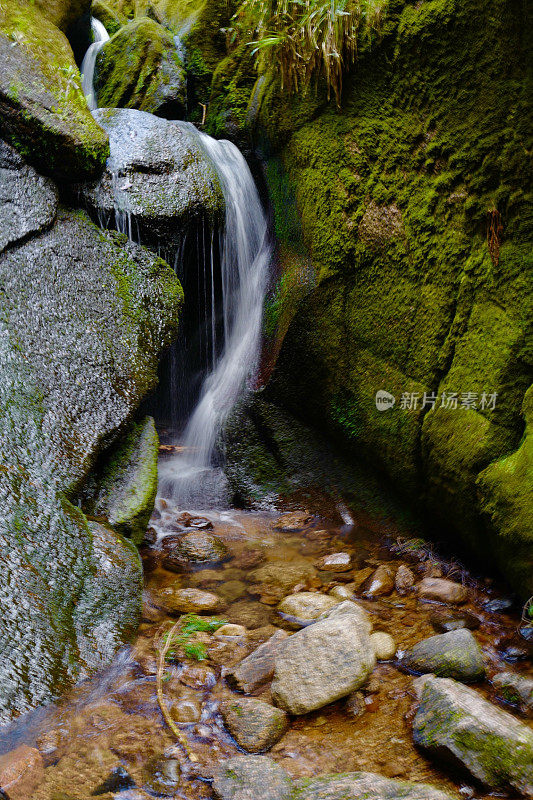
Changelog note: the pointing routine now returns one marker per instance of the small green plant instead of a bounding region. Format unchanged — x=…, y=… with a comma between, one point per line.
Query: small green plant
x=308, y=39
x=174, y=641
x=527, y=613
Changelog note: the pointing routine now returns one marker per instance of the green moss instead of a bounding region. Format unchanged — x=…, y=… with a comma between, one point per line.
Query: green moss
x=139, y=68
x=111, y=19
x=46, y=119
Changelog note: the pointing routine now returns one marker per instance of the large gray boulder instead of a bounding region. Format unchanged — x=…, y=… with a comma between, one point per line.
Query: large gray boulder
x=323, y=662
x=83, y=317
x=367, y=785
x=158, y=180
x=455, y=654
x=251, y=778
x=455, y=723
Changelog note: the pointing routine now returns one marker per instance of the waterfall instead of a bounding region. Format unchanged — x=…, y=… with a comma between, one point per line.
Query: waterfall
x=245, y=253
x=100, y=37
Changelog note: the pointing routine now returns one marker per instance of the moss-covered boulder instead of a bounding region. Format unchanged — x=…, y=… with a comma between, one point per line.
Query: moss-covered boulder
x=139, y=67
x=158, y=180
x=83, y=317
x=456, y=724
x=124, y=489
x=43, y=112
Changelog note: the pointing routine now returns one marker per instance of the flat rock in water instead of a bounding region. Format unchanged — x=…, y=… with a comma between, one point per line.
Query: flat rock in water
x=449, y=655
x=251, y=778
x=335, y=562
x=307, y=605
x=285, y=575
x=256, y=726
x=455, y=723
x=293, y=521
x=186, y=601
x=443, y=590
x=157, y=177
x=322, y=663
x=445, y=620
x=364, y=786
x=257, y=668
x=21, y=772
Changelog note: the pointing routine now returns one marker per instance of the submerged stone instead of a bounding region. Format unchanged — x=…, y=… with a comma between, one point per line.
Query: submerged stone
x=158, y=180
x=244, y=777
x=255, y=725
x=367, y=785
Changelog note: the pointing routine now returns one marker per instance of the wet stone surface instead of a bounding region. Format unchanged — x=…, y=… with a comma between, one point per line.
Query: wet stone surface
x=112, y=729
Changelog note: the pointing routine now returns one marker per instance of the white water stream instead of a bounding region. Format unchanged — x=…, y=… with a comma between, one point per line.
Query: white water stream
x=190, y=478
x=100, y=37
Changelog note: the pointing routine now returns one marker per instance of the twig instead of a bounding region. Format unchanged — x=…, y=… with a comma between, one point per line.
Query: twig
x=161, y=700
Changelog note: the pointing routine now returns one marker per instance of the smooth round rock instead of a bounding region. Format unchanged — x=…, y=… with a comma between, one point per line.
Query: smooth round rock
x=384, y=645
x=230, y=629
x=187, y=601
x=306, y=605
x=336, y=562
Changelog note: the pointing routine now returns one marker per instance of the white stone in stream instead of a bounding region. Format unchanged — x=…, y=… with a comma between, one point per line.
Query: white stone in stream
x=323, y=662
x=384, y=645
x=184, y=601
x=455, y=722
x=335, y=562
x=307, y=605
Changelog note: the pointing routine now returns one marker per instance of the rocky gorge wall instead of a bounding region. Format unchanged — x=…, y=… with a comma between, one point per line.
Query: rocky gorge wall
x=413, y=204
x=84, y=315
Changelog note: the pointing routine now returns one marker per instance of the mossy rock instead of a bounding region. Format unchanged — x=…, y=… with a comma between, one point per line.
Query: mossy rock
x=84, y=317
x=43, y=112
x=140, y=68
x=123, y=489
x=395, y=195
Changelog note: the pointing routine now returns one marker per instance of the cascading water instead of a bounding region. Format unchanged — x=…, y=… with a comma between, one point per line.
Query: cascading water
x=100, y=37
x=191, y=477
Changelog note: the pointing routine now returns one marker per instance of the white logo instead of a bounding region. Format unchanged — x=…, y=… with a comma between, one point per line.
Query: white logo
x=384, y=400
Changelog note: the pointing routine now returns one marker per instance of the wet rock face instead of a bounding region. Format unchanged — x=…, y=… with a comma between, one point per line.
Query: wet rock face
x=157, y=178
x=450, y=655
x=28, y=201
x=455, y=722
x=139, y=67
x=21, y=772
x=322, y=663
x=84, y=315
x=42, y=108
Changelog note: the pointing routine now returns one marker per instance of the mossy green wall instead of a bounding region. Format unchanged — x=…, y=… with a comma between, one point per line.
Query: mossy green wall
x=393, y=192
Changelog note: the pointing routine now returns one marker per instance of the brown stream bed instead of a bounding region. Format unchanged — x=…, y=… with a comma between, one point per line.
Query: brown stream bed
x=112, y=724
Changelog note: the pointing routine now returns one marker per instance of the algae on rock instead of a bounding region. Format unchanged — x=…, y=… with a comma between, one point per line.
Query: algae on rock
x=43, y=112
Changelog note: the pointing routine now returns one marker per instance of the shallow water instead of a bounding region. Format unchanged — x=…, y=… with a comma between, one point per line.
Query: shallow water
x=114, y=719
